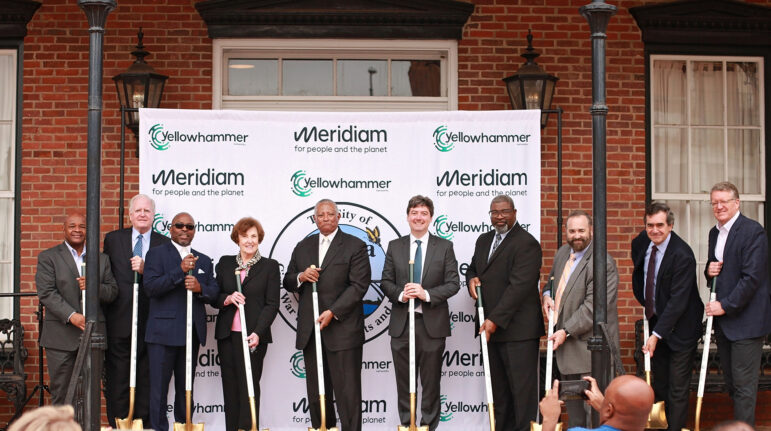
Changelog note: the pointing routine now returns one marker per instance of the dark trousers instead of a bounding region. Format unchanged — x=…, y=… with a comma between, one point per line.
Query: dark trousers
x=60, y=366
x=165, y=361
x=514, y=375
x=117, y=367
x=671, y=374
x=235, y=394
x=740, y=361
x=428, y=364
x=342, y=380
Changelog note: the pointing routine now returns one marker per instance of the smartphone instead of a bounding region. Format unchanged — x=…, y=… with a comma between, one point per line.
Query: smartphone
x=573, y=389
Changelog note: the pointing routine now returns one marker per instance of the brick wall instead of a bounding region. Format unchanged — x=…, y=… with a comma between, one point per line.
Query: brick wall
x=55, y=120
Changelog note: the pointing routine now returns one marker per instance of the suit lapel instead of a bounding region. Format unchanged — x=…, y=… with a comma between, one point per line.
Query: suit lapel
x=666, y=261
x=430, y=252
x=580, y=266
x=732, y=235
x=66, y=255
x=504, y=243
x=337, y=244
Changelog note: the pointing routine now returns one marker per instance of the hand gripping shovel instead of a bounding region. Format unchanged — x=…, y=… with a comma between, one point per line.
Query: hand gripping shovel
x=549, y=356
x=188, y=425
x=247, y=359
x=657, y=418
x=129, y=423
x=319, y=363
x=486, y=360
x=413, y=389
x=704, y=360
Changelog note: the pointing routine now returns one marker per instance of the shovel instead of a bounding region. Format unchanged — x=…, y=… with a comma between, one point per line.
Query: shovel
x=704, y=359
x=129, y=423
x=486, y=360
x=549, y=355
x=83, y=292
x=188, y=425
x=413, y=389
x=247, y=359
x=657, y=418
x=319, y=363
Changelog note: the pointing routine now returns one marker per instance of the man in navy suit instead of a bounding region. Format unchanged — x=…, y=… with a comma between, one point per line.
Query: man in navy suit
x=664, y=282
x=738, y=257
x=126, y=249
x=342, y=272
x=435, y=280
x=166, y=281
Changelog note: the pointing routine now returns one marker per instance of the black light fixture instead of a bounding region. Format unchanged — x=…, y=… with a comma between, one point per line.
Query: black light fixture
x=138, y=87
x=531, y=87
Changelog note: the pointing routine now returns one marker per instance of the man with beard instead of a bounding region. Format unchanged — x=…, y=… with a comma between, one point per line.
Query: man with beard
x=171, y=270
x=507, y=263
x=573, y=307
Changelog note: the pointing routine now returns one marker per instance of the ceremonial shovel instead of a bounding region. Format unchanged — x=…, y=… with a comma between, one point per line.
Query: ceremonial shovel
x=247, y=359
x=549, y=356
x=486, y=360
x=413, y=389
x=83, y=292
x=129, y=423
x=188, y=425
x=704, y=359
x=319, y=362
x=657, y=418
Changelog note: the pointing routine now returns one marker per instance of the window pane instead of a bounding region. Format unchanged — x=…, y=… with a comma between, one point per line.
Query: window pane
x=751, y=209
x=6, y=286
x=419, y=78
x=708, y=159
x=307, y=78
x=742, y=93
x=250, y=77
x=671, y=160
x=702, y=221
x=362, y=78
x=669, y=92
x=744, y=160
x=6, y=229
x=7, y=86
x=6, y=155
x=679, y=209
x=707, y=93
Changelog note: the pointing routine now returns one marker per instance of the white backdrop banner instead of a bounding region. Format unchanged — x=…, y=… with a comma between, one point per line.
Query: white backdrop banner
x=223, y=165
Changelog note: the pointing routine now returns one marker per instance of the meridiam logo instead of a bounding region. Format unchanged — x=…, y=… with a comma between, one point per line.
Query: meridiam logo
x=303, y=186
x=493, y=177
x=339, y=134
x=447, y=229
x=298, y=365
x=155, y=139
x=208, y=177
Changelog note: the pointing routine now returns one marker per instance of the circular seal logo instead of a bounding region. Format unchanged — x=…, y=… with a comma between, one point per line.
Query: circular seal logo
x=442, y=140
x=357, y=220
x=297, y=362
x=155, y=138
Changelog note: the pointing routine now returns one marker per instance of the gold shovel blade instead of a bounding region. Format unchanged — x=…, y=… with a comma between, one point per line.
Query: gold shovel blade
x=537, y=427
x=187, y=427
x=322, y=428
x=129, y=424
x=413, y=428
x=657, y=418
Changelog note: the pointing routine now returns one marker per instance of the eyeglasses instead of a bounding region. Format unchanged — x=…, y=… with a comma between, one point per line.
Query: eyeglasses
x=722, y=203
x=496, y=213
x=181, y=226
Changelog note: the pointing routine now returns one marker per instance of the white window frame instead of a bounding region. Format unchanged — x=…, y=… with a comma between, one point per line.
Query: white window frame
x=7, y=304
x=326, y=48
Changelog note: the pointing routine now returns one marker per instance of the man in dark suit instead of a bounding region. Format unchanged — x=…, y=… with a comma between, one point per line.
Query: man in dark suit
x=574, y=308
x=664, y=282
x=167, y=279
x=435, y=280
x=507, y=262
x=127, y=249
x=342, y=273
x=738, y=257
x=59, y=285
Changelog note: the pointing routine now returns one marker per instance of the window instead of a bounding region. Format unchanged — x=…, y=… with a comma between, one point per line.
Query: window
x=330, y=75
x=707, y=125
x=8, y=66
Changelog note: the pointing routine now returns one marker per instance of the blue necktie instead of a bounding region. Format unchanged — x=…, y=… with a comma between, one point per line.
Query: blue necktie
x=138, y=246
x=417, y=268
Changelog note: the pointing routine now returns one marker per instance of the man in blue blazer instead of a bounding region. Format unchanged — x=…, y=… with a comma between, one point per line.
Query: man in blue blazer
x=664, y=282
x=738, y=257
x=166, y=282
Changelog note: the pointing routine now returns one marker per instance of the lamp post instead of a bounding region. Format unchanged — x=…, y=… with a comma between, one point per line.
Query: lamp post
x=532, y=88
x=138, y=87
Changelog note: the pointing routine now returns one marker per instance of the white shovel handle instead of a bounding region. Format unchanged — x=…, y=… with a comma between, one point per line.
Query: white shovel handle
x=247, y=359
x=83, y=292
x=549, y=352
x=133, y=363
x=646, y=335
x=411, y=314
x=705, y=351
x=189, y=343
x=317, y=333
x=485, y=358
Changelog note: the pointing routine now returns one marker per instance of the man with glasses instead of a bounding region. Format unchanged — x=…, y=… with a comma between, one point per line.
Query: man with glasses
x=126, y=249
x=507, y=262
x=738, y=257
x=171, y=270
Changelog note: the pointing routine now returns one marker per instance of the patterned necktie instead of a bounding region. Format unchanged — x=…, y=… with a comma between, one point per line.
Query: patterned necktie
x=417, y=268
x=497, y=242
x=563, y=282
x=650, y=279
x=138, y=246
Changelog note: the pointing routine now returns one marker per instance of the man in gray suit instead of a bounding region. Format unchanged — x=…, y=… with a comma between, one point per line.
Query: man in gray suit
x=435, y=275
x=573, y=307
x=59, y=286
